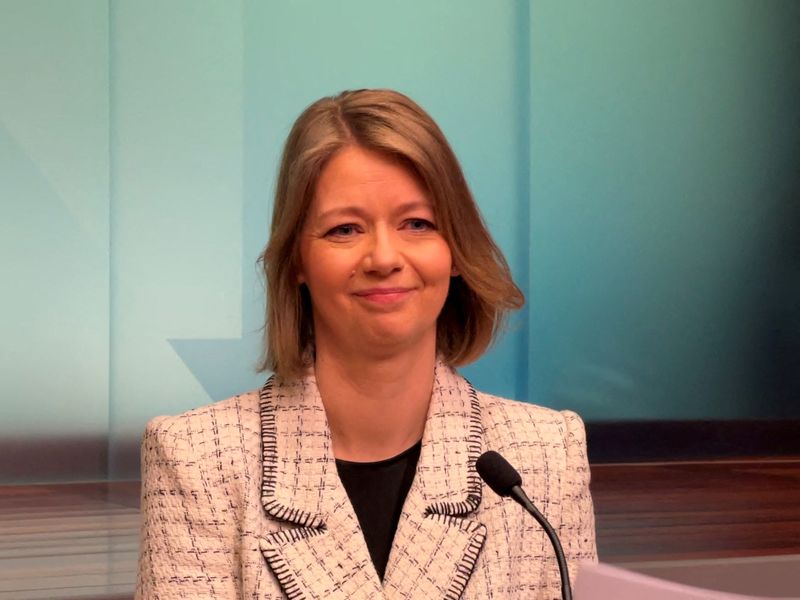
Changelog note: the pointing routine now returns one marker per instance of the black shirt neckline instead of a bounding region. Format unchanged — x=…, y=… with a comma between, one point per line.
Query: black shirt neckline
x=382, y=462
x=377, y=491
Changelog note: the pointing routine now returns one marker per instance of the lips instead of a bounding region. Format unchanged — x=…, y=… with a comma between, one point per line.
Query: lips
x=385, y=295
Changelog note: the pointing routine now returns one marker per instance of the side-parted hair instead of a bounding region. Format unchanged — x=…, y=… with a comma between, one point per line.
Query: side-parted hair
x=386, y=122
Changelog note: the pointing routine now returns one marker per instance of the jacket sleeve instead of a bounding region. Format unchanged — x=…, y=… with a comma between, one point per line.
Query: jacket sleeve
x=577, y=531
x=188, y=546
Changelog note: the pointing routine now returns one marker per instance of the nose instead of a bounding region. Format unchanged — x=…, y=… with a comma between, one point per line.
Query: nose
x=383, y=256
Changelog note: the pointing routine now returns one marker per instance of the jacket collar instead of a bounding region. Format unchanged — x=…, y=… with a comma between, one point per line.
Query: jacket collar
x=301, y=486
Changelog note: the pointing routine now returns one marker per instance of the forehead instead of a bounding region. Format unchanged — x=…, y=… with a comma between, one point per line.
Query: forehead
x=356, y=175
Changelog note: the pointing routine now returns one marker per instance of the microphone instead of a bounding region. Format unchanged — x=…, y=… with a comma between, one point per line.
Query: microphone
x=505, y=481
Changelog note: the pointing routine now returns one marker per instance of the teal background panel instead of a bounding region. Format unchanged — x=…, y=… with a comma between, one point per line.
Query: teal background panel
x=54, y=223
x=664, y=208
x=636, y=161
x=176, y=201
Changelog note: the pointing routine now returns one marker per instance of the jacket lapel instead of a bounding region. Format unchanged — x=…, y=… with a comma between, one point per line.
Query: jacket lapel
x=438, y=541
x=322, y=553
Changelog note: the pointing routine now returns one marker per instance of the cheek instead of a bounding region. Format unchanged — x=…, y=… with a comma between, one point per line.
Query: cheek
x=438, y=262
x=323, y=271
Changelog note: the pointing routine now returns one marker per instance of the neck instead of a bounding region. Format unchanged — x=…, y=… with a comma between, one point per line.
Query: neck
x=376, y=406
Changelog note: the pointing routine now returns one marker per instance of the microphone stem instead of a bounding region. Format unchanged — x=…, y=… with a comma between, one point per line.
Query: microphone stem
x=521, y=497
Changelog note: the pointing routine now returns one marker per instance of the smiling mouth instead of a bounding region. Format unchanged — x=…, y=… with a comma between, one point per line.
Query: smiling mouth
x=384, y=295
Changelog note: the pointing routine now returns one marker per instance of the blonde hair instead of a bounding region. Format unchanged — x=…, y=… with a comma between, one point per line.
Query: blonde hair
x=390, y=123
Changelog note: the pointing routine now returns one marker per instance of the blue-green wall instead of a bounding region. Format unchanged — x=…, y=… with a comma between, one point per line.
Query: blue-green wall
x=665, y=208
x=636, y=160
x=54, y=219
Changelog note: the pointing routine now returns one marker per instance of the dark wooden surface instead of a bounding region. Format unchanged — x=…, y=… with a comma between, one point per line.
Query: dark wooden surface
x=79, y=541
x=697, y=510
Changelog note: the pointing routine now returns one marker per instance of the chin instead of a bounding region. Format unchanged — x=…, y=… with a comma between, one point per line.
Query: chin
x=390, y=338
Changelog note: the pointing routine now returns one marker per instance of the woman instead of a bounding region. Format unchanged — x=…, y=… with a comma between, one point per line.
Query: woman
x=351, y=474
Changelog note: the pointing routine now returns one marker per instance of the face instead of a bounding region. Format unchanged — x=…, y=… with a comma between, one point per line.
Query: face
x=376, y=267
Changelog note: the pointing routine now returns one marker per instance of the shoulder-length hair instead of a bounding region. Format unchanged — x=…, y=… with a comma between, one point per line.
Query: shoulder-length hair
x=387, y=122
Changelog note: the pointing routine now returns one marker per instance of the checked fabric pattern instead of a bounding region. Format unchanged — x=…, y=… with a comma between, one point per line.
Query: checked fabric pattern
x=241, y=500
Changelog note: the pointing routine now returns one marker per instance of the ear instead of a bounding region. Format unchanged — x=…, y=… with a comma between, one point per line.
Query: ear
x=454, y=272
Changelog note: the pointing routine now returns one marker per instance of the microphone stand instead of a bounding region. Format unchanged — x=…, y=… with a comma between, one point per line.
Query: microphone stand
x=521, y=497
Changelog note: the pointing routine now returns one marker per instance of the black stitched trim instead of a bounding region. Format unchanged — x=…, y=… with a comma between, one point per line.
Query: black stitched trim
x=465, y=525
x=455, y=509
x=465, y=567
x=269, y=458
x=269, y=445
x=283, y=573
x=289, y=536
x=474, y=446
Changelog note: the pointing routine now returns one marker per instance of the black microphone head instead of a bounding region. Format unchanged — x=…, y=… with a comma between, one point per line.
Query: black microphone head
x=497, y=473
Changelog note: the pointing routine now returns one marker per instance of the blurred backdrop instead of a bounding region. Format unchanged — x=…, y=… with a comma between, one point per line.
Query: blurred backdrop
x=637, y=161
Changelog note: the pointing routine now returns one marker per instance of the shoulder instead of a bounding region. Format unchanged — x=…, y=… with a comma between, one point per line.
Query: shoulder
x=523, y=430
x=211, y=427
x=503, y=413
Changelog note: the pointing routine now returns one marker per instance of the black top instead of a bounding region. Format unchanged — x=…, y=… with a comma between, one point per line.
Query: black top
x=377, y=491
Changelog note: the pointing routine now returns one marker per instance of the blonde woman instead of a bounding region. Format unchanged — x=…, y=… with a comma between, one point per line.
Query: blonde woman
x=351, y=473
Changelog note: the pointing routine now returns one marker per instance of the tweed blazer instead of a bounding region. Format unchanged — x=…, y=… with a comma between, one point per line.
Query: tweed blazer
x=241, y=500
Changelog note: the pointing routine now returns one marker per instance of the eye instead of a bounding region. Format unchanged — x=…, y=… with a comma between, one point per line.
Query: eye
x=344, y=230
x=419, y=225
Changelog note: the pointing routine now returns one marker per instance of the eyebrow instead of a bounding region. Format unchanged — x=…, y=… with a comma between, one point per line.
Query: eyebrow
x=358, y=211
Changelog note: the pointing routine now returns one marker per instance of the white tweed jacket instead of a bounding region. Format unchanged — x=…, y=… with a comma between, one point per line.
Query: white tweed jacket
x=241, y=499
